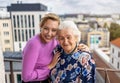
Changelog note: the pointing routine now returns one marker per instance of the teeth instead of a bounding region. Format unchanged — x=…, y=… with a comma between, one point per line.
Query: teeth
x=48, y=37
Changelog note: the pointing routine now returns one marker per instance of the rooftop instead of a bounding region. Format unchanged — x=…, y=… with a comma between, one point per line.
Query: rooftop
x=27, y=7
x=116, y=42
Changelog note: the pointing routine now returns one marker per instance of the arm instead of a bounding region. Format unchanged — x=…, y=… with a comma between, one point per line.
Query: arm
x=90, y=76
x=30, y=56
x=88, y=69
x=56, y=52
x=55, y=60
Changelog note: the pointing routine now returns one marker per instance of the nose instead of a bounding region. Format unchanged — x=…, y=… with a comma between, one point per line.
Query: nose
x=65, y=41
x=49, y=32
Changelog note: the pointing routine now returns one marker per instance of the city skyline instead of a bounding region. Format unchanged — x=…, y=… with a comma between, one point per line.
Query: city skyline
x=75, y=6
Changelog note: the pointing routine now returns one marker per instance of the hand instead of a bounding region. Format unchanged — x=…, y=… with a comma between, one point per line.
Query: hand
x=54, y=60
x=84, y=61
x=83, y=47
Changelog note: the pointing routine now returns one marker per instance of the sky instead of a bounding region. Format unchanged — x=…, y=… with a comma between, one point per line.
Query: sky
x=75, y=6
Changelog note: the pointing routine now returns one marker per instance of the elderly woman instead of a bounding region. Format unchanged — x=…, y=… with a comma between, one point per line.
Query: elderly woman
x=73, y=65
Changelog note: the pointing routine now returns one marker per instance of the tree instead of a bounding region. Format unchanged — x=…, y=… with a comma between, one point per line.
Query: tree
x=105, y=25
x=114, y=31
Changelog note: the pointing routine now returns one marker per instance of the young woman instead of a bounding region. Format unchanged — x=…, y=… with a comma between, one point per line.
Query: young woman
x=37, y=54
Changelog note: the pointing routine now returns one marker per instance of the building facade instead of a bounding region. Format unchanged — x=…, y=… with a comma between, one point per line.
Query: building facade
x=2, y=68
x=6, y=34
x=98, y=38
x=25, y=22
x=115, y=53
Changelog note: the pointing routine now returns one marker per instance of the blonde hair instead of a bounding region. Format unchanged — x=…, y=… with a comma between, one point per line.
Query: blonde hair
x=71, y=25
x=50, y=16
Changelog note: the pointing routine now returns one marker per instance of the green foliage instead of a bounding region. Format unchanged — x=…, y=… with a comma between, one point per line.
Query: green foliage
x=114, y=31
x=105, y=25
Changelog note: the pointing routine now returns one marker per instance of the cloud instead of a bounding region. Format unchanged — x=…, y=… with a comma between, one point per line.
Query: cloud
x=76, y=6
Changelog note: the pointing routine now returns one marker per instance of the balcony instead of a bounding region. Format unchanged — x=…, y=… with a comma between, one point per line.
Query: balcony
x=103, y=75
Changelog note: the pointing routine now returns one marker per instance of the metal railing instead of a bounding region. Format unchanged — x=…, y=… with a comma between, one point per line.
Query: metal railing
x=11, y=68
x=106, y=70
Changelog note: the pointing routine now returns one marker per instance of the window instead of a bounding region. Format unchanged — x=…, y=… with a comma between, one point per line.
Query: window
x=119, y=54
x=39, y=17
x=6, y=33
x=5, y=78
x=14, y=21
x=112, y=50
x=18, y=21
x=19, y=45
x=15, y=34
x=19, y=35
x=22, y=21
x=29, y=33
x=22, y=35
x=7, y=41
x=112, y=60
x=10, y=78
x=26, y=33
x=18, y=78
x=5, y=24
x=7, y=49
x=25, y=20
x=33, y=25
x=33, y=32
x=118, y=65
x=29, y=21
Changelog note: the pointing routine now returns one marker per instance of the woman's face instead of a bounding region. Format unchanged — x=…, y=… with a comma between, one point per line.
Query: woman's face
x=67, y=40
x=49, y=30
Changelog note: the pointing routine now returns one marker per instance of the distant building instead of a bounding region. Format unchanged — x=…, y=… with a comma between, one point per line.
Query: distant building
x=13, y=60
x=115, y=53
x=116, y=16
x=83, y=26
x=4, y=13
x=2, y=68
x=25, y=19
x=6, y=34
x=98, y=38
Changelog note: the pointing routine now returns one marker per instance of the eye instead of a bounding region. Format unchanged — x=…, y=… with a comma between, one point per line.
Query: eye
x=45, y=28
x=68, y=37
x=54, y=30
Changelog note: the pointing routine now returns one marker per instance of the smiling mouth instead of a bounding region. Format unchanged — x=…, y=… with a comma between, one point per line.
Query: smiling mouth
x=65, y=45
x=48, y=37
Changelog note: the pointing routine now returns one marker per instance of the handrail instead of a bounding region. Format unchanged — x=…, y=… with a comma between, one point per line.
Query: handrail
x=106, y=70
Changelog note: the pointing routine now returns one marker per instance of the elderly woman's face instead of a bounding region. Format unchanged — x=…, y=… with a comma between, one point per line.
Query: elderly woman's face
x=67, y=40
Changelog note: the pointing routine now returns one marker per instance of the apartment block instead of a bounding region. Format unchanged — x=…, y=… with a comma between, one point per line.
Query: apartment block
x=25, y=18
x=115, y=53
x=6, y=34
x=98, y=38
x=2, y=68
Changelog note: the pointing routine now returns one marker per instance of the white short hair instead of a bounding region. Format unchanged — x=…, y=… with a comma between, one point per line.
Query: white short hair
x=71, y=25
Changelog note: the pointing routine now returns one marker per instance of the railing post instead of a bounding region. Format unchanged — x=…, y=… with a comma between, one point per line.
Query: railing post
x=11, y=72
x=105, y=75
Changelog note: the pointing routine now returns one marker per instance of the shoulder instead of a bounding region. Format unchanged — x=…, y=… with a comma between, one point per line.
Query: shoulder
x=54, y=42
x=81, y=54
x=57, y=48
x=85, y=54
x=33, y=42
